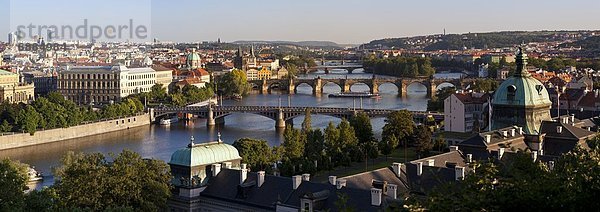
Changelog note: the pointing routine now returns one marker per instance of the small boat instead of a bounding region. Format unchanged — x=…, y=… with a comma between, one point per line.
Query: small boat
x=354, y=95
x=169, y=121
x=34, y=176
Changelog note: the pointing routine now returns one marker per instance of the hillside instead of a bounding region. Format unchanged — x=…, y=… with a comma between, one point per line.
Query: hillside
x=295, y=43
x=474, y=40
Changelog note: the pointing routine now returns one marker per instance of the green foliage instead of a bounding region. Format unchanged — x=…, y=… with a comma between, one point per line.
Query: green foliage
x=28, y=119
x=294, y=142
x=437, y=104
x=519, y=184
x=256, y=153
x=399, y=66
x=342, y=203
x=234, y=83
x=13, y=177
x=422, y=140
x=388, y=144
x=300, y=61
x=400, y=124
x=362, y=128
x=90, y=181
x=485, y=85
x=157, y=93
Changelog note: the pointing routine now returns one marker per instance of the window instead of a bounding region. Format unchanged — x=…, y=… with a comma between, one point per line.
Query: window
x=511, y=91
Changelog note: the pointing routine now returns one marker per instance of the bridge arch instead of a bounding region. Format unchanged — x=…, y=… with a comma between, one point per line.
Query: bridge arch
x=445, y=84
x=303, y=87
x=388, y=88
x=360, y=87
x=331, y=87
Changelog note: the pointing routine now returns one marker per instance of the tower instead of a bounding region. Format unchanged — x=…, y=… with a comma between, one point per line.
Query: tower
x=521, y=100
x=238, y=61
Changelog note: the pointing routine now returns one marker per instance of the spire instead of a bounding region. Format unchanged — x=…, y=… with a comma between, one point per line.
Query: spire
x=191, y=142
x=521, y=61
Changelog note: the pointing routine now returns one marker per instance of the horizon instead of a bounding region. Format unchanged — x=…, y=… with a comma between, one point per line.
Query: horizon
x=342, y=22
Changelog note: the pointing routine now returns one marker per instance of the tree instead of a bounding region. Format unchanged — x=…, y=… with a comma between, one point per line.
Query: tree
x=5, y=126
x=388, y=144
x=234, y=83
x=255, y=153
x=306, y=124
x=157, y=93
x=422, y=140
x=362, y=127
x=294, y=142
x=28, y=119
x=484, y=85
x=13, y=177
x=349, y=143
x=400, y=124
x=90, y=181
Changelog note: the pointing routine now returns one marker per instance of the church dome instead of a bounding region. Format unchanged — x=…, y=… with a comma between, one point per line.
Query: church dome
x=521, y=100
x=521, y=89
x=204, y=154
x=193, y=59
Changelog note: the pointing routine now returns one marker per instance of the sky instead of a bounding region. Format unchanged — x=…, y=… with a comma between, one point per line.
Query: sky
x=341, y=21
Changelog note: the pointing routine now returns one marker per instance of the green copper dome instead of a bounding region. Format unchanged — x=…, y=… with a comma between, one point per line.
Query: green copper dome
x=521, y=89
x=204, y=154
x=193, y=56
x=521, y=100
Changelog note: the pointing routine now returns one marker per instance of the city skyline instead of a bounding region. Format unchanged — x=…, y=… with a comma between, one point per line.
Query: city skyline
x=350, y=22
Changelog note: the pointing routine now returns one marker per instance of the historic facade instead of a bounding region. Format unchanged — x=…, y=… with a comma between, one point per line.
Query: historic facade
x=12, y=91
x=521, y=100
x=94, y=84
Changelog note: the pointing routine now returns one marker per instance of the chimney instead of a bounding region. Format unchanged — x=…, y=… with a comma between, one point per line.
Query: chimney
x=431, y=162
x=541, y=152
x=305, y=177
x=226, y=165
x=397, y=167
x=572, y=117
x=588, y=128
x=459, y=172
x=244, y=173
x=504, y=133
x=500, y=153
x=216, y=168
x=534, y=156
x=296, y=181
x=453, y=148
x=392, y=191
x=332, y=180
x=520, y=129
x=512, y=132
x=260, y=178
x=469, y=158
x=559, y=129
x=419, y=168
x=376, y=197
x=488, y=138
x=340, y=183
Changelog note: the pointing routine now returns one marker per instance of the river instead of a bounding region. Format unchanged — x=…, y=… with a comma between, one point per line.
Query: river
x=159, y=141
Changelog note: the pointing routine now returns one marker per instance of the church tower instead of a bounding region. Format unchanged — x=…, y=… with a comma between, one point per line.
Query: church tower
x=521, y=100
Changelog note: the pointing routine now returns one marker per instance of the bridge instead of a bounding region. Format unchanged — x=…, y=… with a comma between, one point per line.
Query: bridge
x=349, y=67
x=373, y=83
x=215, y=115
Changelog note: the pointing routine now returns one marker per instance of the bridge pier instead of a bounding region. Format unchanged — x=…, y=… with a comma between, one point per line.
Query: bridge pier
x=318, y=87
x=350, y=70
x=280, y=120
x=403, y=89
x=291, y=87
x=374, y=87
x=265, y=87
x=211, y=120
x=431, y=90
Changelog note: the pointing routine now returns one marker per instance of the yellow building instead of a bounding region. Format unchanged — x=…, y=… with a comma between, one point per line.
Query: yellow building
x=12, y=91
x=264, y=73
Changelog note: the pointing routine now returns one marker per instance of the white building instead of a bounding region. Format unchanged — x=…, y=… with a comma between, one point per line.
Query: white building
x=483, y=71
x=465, y=112
x=94, y=84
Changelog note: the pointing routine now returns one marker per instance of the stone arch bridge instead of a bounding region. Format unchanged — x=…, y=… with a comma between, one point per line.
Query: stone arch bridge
x=281, y=115
x=290, y=85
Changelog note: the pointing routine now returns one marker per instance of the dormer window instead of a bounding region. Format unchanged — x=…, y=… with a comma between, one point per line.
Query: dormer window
x=511, y=91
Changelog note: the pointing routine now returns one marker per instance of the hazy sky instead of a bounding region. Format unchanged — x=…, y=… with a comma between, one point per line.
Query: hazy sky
x=341, y=21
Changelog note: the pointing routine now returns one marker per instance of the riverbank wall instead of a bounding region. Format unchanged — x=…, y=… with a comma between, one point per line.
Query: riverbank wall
x=17, y=140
